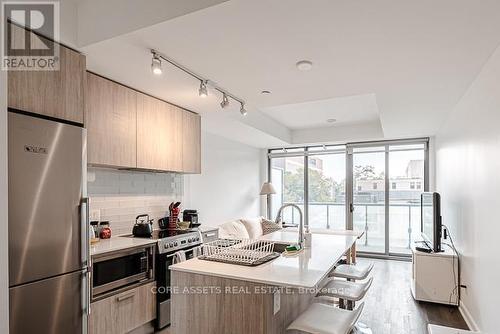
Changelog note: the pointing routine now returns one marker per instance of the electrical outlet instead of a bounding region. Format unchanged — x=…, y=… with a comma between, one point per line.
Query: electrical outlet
x=95, y=215
x=90, y=177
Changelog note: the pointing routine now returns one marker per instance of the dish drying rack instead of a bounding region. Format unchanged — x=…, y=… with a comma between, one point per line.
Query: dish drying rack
x=245, y=252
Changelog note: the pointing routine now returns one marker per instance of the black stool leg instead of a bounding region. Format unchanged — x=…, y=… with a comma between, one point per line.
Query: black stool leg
x=341, y=303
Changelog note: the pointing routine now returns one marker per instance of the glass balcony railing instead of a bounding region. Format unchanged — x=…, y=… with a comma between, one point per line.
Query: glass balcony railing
x=404, y=223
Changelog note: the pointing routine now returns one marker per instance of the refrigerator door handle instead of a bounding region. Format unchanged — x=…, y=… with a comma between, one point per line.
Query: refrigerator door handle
x=86, y=232
x=89, y=291
x=86, y=253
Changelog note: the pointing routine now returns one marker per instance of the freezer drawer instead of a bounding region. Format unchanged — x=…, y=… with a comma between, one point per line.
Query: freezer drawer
x=50, y=306
x=45, y=191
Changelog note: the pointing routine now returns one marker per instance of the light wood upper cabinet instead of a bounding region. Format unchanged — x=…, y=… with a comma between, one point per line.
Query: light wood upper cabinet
x=110, y=119
x=58, y=94
x=176, y=129
x=159, y=135
x=129, y=129
x=191, y=143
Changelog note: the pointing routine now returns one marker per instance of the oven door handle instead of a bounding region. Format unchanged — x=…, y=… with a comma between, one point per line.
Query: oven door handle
x=185, y=250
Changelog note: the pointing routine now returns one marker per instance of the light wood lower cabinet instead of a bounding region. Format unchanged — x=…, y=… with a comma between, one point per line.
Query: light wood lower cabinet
x=110, y=119
x=59, y=94
x=123, y=312
x=159, y=135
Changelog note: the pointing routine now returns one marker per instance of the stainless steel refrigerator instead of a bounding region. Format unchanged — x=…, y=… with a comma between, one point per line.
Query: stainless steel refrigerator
x=48, y=230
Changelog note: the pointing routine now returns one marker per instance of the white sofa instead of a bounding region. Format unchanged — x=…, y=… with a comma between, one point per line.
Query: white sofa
x=244, y=228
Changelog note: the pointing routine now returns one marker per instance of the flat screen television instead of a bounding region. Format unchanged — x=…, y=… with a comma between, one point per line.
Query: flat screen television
x=431, y=224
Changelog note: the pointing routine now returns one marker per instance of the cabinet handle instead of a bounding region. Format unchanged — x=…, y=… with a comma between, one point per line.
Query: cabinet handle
x=125, y=297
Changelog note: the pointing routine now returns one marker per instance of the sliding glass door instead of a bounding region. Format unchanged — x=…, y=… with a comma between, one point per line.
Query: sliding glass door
x=385, y=182
x=368, y=197
x=407, y=181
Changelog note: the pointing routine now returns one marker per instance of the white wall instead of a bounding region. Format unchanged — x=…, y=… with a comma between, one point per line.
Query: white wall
x=228, y=187
x=4, y=277
x=467, y=173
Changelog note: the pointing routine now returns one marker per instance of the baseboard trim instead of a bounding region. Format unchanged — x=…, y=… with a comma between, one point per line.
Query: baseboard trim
x=468, y=317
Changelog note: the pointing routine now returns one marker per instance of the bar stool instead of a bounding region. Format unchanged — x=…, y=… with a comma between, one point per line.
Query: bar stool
x=354, y=272
x=345, y=290
x=326, y=319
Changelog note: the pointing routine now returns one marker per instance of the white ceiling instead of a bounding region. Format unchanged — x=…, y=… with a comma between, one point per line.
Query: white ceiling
x=314, y=114
x=401, y=63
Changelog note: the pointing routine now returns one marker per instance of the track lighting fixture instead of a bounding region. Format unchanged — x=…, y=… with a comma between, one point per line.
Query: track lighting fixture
x=203, y=92
x=156, y=68
x=225, y=101
x=243, y=111
x=156, y=64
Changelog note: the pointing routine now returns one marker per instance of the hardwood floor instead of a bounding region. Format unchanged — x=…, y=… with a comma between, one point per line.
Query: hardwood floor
x=390, y=307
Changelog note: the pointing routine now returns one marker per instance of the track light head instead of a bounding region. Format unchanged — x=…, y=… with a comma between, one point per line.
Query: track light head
x=203, y=92
x=225, y=101
x=243, y=111
x=156, y=64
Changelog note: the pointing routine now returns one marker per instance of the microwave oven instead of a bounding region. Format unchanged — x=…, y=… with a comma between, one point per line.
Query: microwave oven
x=117, y=271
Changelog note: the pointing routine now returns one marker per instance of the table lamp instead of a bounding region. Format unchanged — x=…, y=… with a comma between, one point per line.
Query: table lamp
x=268, y=190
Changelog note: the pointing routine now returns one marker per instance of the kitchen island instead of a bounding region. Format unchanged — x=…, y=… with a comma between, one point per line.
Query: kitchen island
x=214, y=297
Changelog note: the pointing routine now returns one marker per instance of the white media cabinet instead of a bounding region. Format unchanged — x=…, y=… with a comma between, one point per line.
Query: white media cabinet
x=435, y=276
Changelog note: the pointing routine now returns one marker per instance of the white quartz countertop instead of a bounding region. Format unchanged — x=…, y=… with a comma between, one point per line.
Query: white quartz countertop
x=305, y=269
x=118, y=243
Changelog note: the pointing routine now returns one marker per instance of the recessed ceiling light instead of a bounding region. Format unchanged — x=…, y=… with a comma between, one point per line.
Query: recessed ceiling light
x=265, y=92
x=304, y=65
x=331, y=120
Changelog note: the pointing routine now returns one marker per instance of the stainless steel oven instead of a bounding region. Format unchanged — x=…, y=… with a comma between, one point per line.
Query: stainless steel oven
x=163, y=281
x=124, y=269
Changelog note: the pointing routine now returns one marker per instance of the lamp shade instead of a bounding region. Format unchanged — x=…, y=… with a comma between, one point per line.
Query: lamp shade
x=267, y=189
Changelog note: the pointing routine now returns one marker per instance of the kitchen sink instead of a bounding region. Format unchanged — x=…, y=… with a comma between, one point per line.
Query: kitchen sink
x=280, y=248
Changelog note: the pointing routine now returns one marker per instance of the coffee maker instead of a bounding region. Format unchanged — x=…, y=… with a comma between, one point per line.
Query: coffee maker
x=191, y=216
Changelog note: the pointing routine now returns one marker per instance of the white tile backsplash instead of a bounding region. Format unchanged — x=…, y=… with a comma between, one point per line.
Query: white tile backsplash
x=122, y=195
